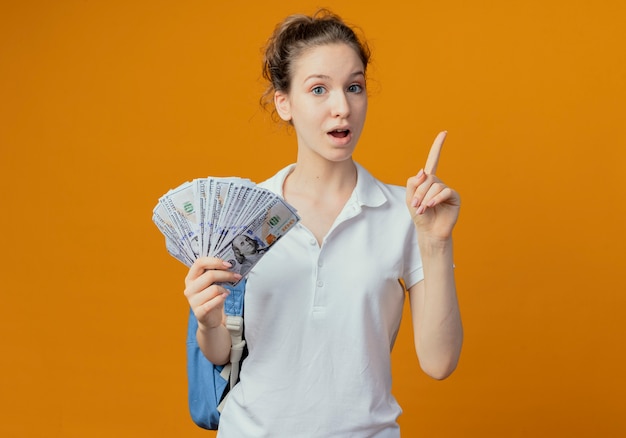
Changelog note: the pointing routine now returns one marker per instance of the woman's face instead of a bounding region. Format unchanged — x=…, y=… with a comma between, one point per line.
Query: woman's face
x=327, y=103
x=245, y=245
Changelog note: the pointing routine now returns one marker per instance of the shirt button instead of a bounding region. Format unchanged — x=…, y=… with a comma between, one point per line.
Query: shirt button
x=312, y=241
x=320, y=263
x=320, y=283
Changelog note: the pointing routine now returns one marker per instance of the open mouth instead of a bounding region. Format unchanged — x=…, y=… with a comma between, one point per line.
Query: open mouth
x=339, y=133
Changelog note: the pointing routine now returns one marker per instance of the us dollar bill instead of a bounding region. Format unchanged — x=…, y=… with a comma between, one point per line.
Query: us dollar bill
x=230, y=218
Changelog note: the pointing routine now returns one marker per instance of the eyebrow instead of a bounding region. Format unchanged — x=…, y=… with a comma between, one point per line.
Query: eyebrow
x=321, y=76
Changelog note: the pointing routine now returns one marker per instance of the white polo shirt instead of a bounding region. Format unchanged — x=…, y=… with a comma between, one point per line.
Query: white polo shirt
x=320, y=323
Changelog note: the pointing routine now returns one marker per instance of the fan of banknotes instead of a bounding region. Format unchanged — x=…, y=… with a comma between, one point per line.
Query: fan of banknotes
x=230, y=218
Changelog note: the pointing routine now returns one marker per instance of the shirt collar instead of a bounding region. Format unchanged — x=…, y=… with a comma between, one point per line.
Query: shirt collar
x=366, y=193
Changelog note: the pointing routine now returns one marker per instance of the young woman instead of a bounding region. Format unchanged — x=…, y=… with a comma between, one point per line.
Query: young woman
x=323, y=307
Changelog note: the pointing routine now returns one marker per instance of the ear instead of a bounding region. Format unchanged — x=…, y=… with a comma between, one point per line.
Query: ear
x=281, y=102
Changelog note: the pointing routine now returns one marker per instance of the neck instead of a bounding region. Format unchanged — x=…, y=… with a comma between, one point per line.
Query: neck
x=320, y=192
x=323, y=178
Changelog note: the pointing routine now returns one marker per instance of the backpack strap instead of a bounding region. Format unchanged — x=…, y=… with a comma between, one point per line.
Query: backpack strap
x=233, y=308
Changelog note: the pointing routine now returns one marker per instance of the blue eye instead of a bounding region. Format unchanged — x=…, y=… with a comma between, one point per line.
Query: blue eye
x=318, y=90
x=355, y=88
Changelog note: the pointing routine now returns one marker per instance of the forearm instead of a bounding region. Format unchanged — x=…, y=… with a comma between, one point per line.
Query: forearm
x=438, y=328
x=214, y=343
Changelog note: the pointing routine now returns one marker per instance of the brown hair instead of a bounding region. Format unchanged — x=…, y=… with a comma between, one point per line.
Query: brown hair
x=296, y=34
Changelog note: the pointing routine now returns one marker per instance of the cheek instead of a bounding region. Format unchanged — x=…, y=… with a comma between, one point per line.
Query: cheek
x=363, y=114
x=303, y=122
x=364, y=106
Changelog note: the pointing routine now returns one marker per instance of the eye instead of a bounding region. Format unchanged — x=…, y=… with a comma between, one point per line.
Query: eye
x=355, y=88
x=318, y=90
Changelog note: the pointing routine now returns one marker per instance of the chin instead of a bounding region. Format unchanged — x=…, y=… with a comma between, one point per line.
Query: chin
x=339, y=157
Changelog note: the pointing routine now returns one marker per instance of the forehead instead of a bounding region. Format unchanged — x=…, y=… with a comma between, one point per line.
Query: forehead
x=328, y=60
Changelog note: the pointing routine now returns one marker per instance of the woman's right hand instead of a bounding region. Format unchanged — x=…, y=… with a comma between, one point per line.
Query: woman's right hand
x=206, y=297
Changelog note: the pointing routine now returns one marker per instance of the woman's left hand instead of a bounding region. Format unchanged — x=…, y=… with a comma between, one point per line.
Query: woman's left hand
x=434, y=206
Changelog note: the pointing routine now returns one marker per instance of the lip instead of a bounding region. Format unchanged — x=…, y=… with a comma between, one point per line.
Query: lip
x=339, y=128
x=340, y=141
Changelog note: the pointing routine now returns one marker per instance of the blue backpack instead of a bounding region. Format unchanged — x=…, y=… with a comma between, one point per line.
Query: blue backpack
x=208, y=385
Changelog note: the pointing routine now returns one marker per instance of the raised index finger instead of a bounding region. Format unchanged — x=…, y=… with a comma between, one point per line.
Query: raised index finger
x=433, y=156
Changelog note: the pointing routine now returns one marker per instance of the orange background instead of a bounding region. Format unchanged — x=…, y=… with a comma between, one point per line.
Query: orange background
x=106, y=105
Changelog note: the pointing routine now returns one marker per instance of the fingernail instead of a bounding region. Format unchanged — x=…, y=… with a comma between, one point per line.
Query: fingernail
x=415, y=202
x=227, y=264
x=420, y=173
x=421, y=210
x=237, y=276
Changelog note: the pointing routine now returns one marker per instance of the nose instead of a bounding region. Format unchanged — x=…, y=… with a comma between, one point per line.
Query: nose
x=340, y=105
